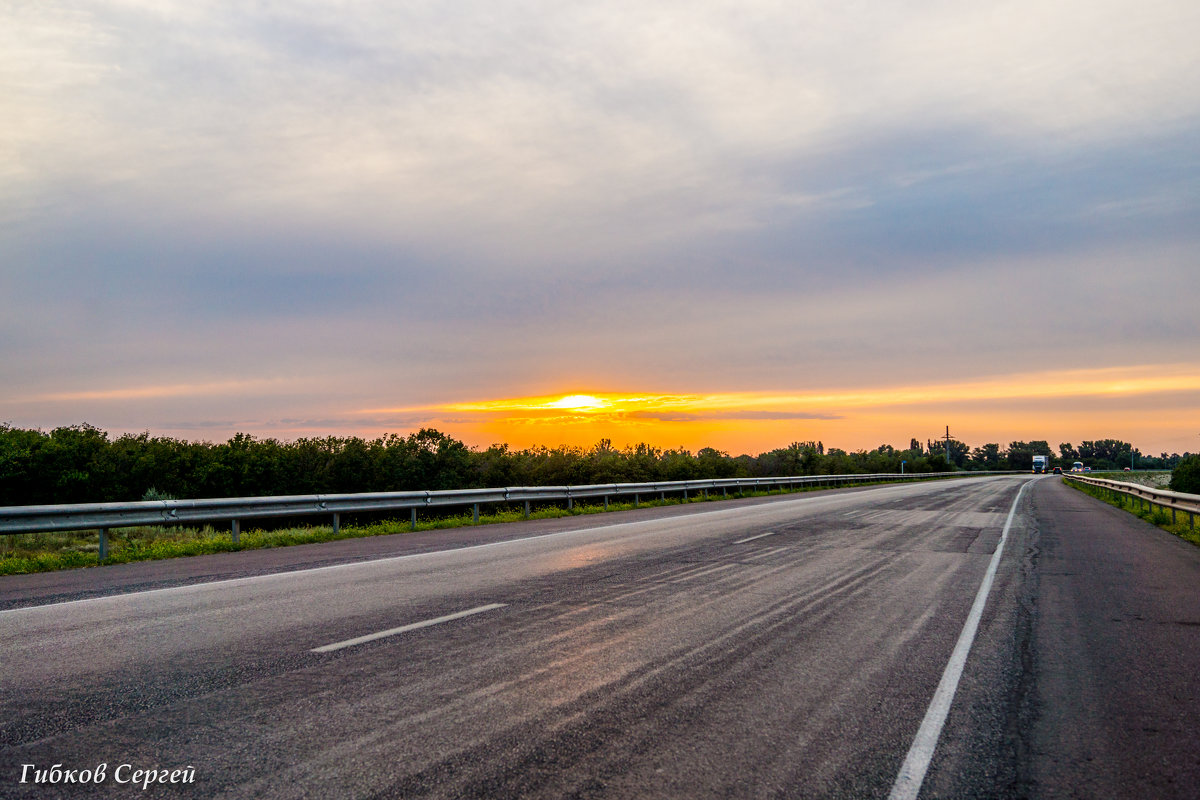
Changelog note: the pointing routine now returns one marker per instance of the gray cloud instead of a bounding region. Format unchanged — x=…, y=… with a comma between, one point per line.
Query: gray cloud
x=412, y=207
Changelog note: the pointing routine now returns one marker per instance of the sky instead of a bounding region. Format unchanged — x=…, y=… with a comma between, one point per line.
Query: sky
x=702, y=224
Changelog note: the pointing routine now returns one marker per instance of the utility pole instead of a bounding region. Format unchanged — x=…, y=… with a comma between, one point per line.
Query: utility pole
x=947, y=444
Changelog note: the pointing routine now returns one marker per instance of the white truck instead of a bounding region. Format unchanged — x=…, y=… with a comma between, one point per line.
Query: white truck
x=1041, y=464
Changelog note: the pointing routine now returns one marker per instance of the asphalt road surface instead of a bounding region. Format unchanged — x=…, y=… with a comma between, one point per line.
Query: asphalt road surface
x=788, y=647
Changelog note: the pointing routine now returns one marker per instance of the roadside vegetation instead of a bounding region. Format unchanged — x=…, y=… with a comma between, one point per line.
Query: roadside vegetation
x=1152, y=479
x=45, y=552
x=82, y=464
x=1183, y=527
x=1186, y=476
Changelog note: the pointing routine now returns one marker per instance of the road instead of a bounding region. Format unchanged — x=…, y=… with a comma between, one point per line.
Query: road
x=781, y=648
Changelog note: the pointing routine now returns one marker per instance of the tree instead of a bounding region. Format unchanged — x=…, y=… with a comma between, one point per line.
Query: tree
x=987, y=457
x=1107, y=453
x=959, y=451
x=75, y=464
x=79, y=463
x=1186, y=475
x=1019, y=455
x=493, y=467
x=20, y=480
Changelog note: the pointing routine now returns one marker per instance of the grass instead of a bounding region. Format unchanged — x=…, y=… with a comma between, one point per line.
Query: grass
x=45, y=552
x=1153, y=514
x=1157, y=479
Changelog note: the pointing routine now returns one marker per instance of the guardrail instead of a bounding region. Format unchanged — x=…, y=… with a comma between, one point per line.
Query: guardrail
x=1175, y=501
x=103, y=516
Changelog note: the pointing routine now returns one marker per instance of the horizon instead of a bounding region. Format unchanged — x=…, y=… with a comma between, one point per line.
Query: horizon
x=1054, y=443
x=1078, y=405
x=575, y=412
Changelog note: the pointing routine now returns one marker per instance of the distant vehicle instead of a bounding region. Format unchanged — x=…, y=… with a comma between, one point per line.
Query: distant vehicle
x=1040, y=464
x=1058, y=470
x=1077, y=466
x=1127, y=469
x=1087, y=469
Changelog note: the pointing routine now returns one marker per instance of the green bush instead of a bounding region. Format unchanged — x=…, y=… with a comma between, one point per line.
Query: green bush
x=1186, y=476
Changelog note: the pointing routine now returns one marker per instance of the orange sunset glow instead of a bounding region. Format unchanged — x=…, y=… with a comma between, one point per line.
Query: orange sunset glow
x=1059, y=406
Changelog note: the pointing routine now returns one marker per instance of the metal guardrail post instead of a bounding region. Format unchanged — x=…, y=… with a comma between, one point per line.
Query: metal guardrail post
x=475, y=514
x=526, y=509
x=1139, y=499
x=337, y=523
x=237, y=528
x=103, y=544
x=413, y=517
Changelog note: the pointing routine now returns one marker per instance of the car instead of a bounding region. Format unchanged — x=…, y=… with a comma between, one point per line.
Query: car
x=1127, y=469
x=1057, y=470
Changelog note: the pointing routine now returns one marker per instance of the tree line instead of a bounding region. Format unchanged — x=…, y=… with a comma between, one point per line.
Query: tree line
x=81, y=464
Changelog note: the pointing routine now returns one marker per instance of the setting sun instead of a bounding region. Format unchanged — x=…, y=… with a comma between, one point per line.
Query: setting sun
x=579, y=402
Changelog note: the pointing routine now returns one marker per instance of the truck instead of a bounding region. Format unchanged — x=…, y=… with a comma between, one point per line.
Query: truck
x=1041, y=464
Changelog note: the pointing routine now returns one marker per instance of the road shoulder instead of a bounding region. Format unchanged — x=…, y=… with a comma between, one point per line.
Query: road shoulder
x=1115, y=705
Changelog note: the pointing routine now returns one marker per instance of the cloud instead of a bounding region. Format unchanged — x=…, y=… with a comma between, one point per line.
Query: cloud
x=204, y=424
x=680, y=416
x=408, y=205
x=124, y=393
x=407, y=123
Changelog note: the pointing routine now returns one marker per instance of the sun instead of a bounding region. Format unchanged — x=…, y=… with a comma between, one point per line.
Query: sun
x=578, y=402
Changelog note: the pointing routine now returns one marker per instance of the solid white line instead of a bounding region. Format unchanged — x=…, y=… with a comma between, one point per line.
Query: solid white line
x=752, y=538
x=912, y=771
x=370, y=637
